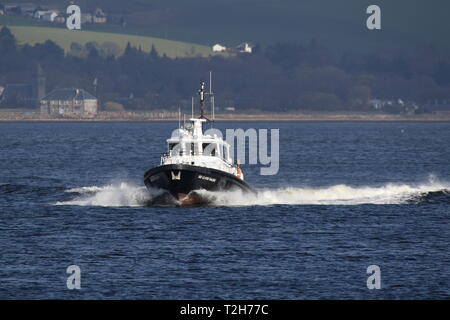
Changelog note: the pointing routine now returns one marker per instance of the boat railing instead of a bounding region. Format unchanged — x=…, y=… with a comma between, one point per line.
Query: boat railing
x=166, y=156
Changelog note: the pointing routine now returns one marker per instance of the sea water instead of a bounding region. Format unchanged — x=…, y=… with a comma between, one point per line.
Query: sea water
x=348, y=195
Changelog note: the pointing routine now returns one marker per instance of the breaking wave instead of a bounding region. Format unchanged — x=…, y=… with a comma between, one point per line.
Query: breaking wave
x=333, y=195
x=115, y=195
x=128, y=195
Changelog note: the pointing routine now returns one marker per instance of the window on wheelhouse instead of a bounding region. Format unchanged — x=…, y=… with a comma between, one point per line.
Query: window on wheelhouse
x=174, y=149
x=193, y=151
x=209, y=149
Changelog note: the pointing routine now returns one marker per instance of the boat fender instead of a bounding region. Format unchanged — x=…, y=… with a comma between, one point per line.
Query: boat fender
x=239, y=173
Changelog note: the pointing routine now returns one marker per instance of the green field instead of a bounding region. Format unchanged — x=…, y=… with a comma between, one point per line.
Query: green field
x=64, y=38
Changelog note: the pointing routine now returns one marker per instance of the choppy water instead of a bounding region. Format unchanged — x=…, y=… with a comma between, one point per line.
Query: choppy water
x=348, y=195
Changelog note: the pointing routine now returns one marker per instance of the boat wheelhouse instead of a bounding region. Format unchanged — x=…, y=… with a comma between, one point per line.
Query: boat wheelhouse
x=188, y=145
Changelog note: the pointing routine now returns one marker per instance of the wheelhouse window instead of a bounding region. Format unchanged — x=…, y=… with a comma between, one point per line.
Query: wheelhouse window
x=174, y=149
x=209, y=149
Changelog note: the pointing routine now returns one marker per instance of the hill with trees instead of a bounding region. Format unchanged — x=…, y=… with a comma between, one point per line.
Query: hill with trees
x=279, y=77
x=110, y=42
x=340, y=25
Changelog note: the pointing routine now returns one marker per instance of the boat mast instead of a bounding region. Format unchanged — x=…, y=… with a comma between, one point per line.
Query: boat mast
x=201, y=93
x=211, y=95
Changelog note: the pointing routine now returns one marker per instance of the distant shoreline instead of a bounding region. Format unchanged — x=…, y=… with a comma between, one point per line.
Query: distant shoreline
x=11, y=115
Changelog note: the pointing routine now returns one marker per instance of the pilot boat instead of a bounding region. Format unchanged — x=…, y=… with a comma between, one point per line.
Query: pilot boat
x=196, y=161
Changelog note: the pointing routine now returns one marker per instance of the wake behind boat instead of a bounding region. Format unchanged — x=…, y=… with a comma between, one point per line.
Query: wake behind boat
x=196, y=161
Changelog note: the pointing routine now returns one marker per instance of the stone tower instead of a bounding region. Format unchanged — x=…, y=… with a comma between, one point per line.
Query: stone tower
x=38, y=85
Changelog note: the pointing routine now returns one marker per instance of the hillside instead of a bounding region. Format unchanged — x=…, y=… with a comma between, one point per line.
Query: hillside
x=64, y=38
x=336, y=24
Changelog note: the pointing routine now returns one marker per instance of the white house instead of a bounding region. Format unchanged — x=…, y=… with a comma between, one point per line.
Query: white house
x=71, y=102
x=218, y=48
x=244, y=48
x=39, y=13
x=99, y=16
x=49, y=16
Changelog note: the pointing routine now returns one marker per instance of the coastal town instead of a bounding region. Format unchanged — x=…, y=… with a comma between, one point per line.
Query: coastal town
x=281, y=81
x=32, y=102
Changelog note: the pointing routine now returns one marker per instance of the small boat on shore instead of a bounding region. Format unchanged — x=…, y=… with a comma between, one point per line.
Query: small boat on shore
x=196, y=161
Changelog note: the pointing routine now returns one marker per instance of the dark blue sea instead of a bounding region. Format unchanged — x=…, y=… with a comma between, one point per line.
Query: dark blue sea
x=347, y=196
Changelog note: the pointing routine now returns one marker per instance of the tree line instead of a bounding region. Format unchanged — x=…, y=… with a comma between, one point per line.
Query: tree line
x=279, y=77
